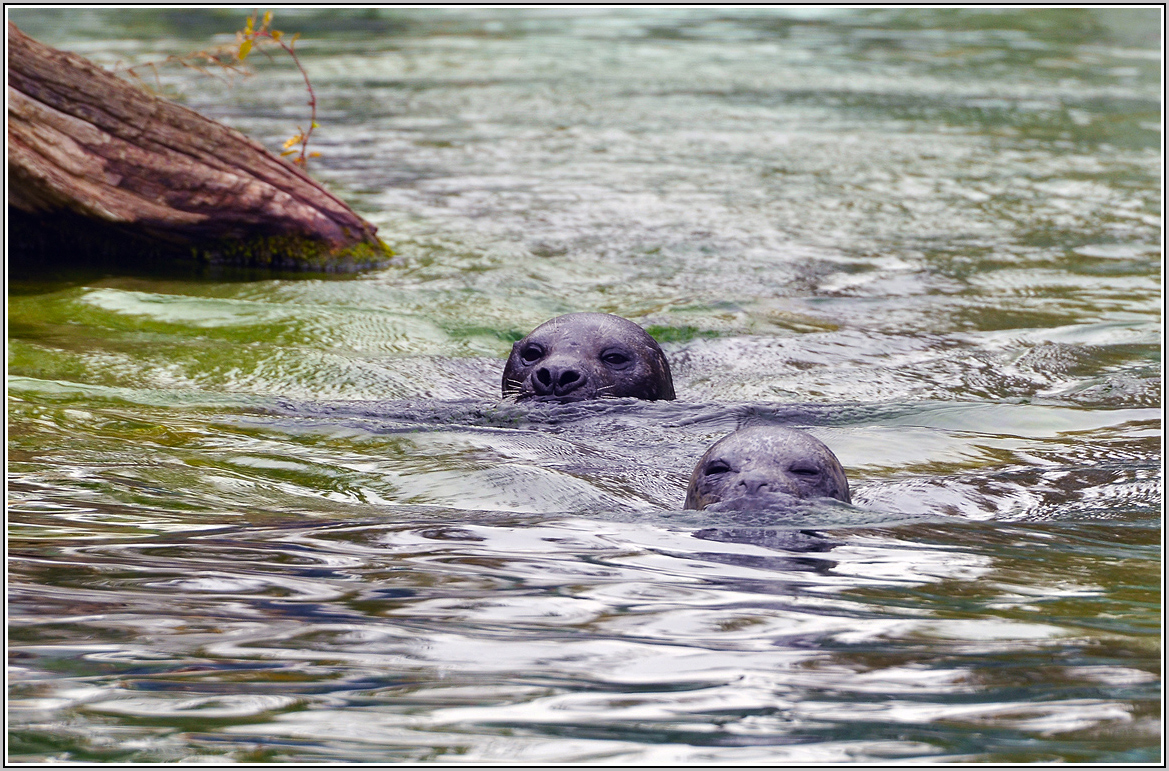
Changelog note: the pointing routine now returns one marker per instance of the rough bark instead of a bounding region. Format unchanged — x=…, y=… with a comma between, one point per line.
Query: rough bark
x=100, y=168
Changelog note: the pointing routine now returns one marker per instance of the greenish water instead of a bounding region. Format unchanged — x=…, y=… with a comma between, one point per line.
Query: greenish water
x=290, y=519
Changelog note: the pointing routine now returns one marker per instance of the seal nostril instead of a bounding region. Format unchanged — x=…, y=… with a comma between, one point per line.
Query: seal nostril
x=554, y=381
x=753, y=486
x=567, y=381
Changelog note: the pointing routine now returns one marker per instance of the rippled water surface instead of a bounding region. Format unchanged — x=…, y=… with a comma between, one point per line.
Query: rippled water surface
x=290, y=518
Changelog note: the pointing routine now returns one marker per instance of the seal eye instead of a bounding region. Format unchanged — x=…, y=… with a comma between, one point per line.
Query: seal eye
x=531, y=353
x=806, y=472
x=717, y=467
x=615, y=358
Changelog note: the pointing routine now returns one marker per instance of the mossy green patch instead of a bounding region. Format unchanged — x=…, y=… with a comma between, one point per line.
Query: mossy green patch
x=293, y=253
x=678, y=334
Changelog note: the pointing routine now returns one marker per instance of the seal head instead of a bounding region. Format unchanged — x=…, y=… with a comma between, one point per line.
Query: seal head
x=587, y=356
x=764, y=467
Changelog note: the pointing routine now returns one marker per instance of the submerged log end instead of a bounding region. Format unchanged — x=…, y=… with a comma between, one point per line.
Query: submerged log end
x=101, y=172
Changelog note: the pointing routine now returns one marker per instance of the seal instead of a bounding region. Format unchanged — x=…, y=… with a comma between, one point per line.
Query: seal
x=587, y=356
x=762, y=467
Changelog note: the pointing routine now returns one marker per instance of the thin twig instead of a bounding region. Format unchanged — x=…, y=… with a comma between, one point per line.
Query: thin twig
x=253, y=36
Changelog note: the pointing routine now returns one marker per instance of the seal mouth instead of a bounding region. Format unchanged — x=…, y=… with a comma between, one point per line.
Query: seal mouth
x=768, y=501
x=530, y=396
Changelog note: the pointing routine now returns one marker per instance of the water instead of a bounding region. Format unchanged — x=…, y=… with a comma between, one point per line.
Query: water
x=290, y=519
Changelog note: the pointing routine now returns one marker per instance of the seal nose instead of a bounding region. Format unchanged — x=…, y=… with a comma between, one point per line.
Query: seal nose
x=556, y=381
x=752, y=485
x=757, y=484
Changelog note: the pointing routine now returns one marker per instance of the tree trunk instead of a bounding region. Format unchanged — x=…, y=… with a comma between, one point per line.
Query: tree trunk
x=101, y=170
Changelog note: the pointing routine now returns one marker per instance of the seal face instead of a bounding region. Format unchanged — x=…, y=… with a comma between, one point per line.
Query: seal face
x=587, y=356
x=761, y=467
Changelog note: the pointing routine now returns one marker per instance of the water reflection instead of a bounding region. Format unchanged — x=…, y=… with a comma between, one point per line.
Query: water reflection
x=595, y=633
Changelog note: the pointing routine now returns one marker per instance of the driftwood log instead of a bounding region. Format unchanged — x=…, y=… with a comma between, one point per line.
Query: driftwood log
x=102, y=171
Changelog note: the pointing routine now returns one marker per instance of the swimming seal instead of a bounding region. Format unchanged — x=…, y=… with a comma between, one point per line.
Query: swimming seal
x=587, y=356
x=761, y=467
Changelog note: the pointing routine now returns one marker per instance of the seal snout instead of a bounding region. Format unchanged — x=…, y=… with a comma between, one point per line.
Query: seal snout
x=557, y=380
x=759, y=484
